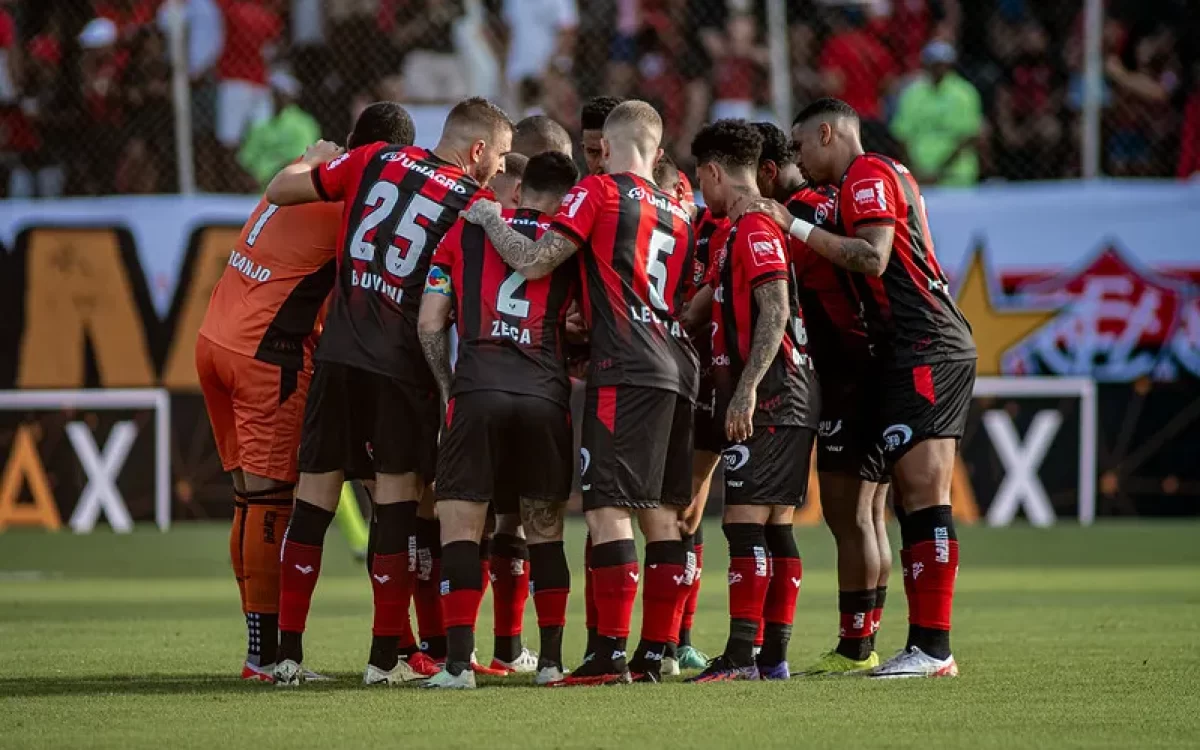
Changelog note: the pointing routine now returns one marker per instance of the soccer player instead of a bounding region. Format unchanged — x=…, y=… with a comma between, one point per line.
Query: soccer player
x=537, y=134
x=254, y=360
x=854, y=486
x=595, y=112
x=634, y=244
x=707, y=440
x=766, y=396
x=372, y=383
x=508, y=428
x=927, y=359
x=507, y=184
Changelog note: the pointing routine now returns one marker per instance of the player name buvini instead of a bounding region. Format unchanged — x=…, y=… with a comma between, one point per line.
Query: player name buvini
x=375, y=282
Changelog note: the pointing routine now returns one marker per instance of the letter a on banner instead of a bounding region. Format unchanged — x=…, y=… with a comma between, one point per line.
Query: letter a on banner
x=24, y=464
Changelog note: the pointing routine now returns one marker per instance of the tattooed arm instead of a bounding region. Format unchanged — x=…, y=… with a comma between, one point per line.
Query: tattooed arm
x=772, y=302
x=868, y=252
x=534, y=259
x=433, y=329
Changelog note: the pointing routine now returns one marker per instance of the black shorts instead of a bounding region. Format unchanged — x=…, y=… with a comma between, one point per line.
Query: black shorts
x=771, y=468
x=923, y=402
x=352, y=411
x=846, y=441
x=709, y=435
x=499, y=447
x=637, y=448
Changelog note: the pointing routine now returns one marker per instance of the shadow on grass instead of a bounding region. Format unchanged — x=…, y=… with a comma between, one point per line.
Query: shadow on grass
x=193, y=684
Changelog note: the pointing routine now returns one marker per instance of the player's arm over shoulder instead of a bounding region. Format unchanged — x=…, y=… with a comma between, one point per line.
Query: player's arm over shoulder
x=536, y=259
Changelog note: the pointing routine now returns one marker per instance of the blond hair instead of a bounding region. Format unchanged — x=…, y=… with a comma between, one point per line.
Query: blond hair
x=636, y=123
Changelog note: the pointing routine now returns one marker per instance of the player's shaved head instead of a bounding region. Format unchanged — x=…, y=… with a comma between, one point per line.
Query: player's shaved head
x=383, y=122
x=539, y=133
x=507, y=184
x=477, y=134
x=826, y=133
x=514, y=164
x=476, y=118
x=635, y=124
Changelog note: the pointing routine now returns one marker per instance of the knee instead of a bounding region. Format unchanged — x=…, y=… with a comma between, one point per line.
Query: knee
x=781, y=542
x=660, y=524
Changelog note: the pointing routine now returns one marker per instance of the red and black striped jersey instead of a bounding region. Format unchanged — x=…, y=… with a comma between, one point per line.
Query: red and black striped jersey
x=704, y=228
x=755, y=254
x=399, y=202
x=510, y=329
x=911, y=317
x=635, y=247
x=833, y=314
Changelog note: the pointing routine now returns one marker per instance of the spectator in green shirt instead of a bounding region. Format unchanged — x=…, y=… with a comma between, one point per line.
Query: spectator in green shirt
x=939, y=119
x=274, y=143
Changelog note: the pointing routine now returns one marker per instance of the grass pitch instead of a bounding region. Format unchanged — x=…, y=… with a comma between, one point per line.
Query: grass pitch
x=1066, y=638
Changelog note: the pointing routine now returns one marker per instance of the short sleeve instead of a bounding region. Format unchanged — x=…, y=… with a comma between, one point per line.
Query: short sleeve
x=759, y=248
x=580, y=208
x=449, y=250
x=870, y=195
x=337, y=179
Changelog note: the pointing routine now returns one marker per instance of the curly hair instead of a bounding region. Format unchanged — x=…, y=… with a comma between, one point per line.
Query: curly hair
x=596, y=110
x=730, y=143
x=776, y=146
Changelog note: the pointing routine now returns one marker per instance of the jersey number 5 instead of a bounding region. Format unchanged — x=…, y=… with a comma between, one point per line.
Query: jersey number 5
x=662, y=246
x=399, y=261
x=507, y=301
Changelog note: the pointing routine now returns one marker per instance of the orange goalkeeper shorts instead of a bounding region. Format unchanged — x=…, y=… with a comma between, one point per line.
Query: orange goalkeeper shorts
x=256, y=410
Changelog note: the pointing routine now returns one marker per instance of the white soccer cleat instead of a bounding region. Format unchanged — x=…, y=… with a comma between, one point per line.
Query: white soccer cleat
x=547, y=676
x=525, y=663
x=288, y=674
x=913, y=662
x=398, y=675
x=443, y=680
x=670, y=666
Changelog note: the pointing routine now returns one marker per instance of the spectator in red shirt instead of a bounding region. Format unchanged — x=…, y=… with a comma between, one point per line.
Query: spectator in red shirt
x=243, y=96
x=858, y=69
x=738, y=70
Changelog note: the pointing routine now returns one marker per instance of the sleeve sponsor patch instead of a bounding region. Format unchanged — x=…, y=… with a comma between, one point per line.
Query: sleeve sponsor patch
x=337, y=162
x=438, y=282
x=573, y=200
x=869, y=195
x=766, y=249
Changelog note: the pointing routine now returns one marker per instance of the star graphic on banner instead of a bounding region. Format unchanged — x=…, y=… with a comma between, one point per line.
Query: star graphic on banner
x=996, y=329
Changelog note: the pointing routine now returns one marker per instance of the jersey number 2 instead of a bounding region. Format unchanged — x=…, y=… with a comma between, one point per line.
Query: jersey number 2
x=507, y=301
x=399, y=261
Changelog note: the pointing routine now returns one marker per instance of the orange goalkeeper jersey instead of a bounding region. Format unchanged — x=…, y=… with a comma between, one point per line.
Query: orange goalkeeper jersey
x=270, y=301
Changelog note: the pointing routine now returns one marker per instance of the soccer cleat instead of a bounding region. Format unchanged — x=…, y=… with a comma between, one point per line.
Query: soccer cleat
x=670, y=666
x=525, y=663
x=721, y=669
x=833, y=663
x=598, y=672
x=464, y=680
x=692, y=658
x=311, y=676
x=549, y=676
x=491, y=671
x=255, y=673
x=643, y=669
x=913, y=662
x=423, y=664
x=778, y=672
x=287, y=674
x=397, y=675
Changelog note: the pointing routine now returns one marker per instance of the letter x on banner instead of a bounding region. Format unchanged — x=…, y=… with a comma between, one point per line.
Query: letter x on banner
x=1022, y=488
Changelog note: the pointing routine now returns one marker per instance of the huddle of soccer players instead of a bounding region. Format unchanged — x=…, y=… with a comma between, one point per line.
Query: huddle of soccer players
x=816, y=319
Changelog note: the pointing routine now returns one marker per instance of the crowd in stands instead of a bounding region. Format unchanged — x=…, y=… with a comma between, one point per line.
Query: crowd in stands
x=963, y=90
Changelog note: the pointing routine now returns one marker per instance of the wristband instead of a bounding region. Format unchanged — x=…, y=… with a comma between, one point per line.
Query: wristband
x=800, y=229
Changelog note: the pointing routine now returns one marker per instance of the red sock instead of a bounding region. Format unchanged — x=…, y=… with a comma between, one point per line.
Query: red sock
x=300, y=567
x=748, y=581
x=485, y=570
x=391, y=586
x=932, y=572
x=783, y=590
x=693, y=596
x=592, y=618
x=509, y=592
x=460, y=608
x=428, y=600
x=905, y=564
x=663, y=596
x=615, y=592
x=551, y=606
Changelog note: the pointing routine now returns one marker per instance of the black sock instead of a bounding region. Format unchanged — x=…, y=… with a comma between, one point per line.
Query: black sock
x=649, y=656
x=685, y=637
x=932, y=641
x=549, y=571
x=852, y=605
x=392, y=525
x=739, y=649
x=459, y=639
x=461, y=586
x=262, y=636
x=506, y=647
x=776, y=637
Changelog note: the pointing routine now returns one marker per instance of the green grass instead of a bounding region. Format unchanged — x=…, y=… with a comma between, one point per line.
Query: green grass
x=1066, y=637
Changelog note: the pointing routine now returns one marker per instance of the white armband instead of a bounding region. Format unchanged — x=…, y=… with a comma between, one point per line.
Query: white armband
x=800, y=229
